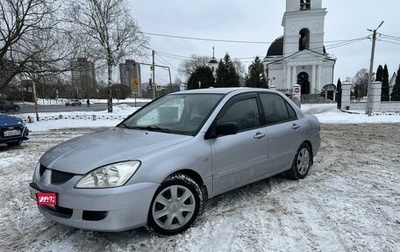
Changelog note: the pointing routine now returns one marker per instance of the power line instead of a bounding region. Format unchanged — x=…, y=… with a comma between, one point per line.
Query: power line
x=166, y=62
x=234, y=41
x=207, y=39
x=389, y=37
x=339, y=43
x=390, y=42
x=331, y=44
x=347, y=42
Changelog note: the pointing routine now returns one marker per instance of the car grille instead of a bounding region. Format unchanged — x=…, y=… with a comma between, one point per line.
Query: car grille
x=57, y=177
x=67, y=213
x=8, y=128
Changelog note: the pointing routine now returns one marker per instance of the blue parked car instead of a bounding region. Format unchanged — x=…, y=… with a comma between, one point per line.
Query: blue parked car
x=13, y=130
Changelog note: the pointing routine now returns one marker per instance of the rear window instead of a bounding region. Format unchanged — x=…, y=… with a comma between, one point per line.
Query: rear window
x=276, y=109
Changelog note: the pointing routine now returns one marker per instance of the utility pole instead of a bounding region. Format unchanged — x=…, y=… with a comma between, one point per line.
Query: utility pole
x=370, y=74
x=154, y=74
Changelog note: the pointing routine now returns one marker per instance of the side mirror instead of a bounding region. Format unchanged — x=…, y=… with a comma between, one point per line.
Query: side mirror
x=228, y=128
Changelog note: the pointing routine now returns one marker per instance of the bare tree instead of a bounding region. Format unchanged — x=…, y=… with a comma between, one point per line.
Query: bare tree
x=360, y=81
x=31, y=40
x=108, y=31
x=240, y=70
x=189, y=66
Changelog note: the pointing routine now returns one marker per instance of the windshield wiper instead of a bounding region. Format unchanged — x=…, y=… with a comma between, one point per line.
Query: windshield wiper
x=149, y=128
x=125, y=125
x=156, y=128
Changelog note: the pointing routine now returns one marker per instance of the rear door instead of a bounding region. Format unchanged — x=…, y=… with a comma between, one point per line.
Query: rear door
x=282, y=128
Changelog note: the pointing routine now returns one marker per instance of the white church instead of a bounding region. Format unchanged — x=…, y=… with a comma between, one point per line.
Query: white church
x=299, y=56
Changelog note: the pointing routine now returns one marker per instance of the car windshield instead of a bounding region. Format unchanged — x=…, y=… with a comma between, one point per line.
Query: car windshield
x=175, y=113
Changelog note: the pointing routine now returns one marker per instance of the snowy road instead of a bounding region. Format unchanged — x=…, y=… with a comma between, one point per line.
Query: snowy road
x=349, y=202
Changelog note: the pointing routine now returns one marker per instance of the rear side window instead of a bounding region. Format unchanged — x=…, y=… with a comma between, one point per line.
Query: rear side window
x=276, y=109
x=244, y=113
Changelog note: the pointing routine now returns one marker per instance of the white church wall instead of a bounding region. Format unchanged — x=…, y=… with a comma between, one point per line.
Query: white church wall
x=327, y=77
x=276, y=76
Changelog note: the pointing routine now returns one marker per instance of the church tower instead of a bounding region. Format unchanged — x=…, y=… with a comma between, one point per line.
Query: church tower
x=303, y=24
x=299, y=56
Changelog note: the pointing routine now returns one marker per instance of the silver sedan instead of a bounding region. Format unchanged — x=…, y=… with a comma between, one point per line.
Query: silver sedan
x=158, y=167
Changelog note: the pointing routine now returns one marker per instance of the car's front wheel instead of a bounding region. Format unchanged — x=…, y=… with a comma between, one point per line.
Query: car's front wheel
x=175, y=205
x=14, y=144
x=301, y=163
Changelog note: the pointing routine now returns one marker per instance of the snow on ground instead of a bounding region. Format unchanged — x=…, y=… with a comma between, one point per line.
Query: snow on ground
x=349, y=201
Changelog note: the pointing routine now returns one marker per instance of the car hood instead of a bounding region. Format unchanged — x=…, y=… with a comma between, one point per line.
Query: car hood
x=9, y=120
x=83, y=154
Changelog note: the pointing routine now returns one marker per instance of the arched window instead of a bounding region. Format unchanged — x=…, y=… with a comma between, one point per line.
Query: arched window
x=304, y=39
x=305, y=5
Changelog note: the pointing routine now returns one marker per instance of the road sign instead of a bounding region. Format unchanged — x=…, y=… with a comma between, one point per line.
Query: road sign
x=135, y=85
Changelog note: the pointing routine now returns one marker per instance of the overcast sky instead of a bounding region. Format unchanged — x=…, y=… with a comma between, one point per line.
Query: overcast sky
x=260, y=21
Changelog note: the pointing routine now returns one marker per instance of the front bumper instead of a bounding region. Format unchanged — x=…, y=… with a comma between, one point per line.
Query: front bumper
x=109, y=210
x=22, y=137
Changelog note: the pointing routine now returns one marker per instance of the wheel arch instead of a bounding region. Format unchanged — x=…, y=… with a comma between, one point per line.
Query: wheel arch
x=308, y=143
x=196, y=177
x=184, y=175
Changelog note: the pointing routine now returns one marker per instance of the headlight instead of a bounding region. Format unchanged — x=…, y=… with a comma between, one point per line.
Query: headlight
x=112, y=175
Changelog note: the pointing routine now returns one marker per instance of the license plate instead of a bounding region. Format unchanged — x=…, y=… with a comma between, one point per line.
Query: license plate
x=8, y=133
x=44, y=198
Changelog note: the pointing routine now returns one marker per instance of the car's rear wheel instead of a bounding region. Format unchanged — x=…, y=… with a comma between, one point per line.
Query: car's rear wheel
x=175, y=205
x=301, y=163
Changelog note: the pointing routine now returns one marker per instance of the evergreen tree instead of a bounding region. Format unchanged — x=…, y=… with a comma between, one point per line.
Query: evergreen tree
x=379, y=73
x=339, y=94
x=395, y=96
x=385, y=84
x=256, y=77
x=226, y=73
x=201, y=78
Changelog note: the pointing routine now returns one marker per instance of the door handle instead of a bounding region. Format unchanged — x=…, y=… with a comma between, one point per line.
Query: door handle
x=259, y=135
x=295, y=126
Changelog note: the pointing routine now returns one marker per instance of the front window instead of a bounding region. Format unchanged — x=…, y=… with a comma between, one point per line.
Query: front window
x=176, y=113
x=244, y=113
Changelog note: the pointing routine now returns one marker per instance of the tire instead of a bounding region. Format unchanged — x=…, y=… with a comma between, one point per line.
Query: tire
x=301, y=163
x=14, y=144
x=175, y=205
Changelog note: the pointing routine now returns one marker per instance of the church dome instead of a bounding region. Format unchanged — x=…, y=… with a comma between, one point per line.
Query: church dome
x=213, y=61
x=276, y=47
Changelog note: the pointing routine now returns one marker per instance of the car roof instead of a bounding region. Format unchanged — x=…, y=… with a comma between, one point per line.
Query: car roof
x=224, y=90
x=240, y=90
